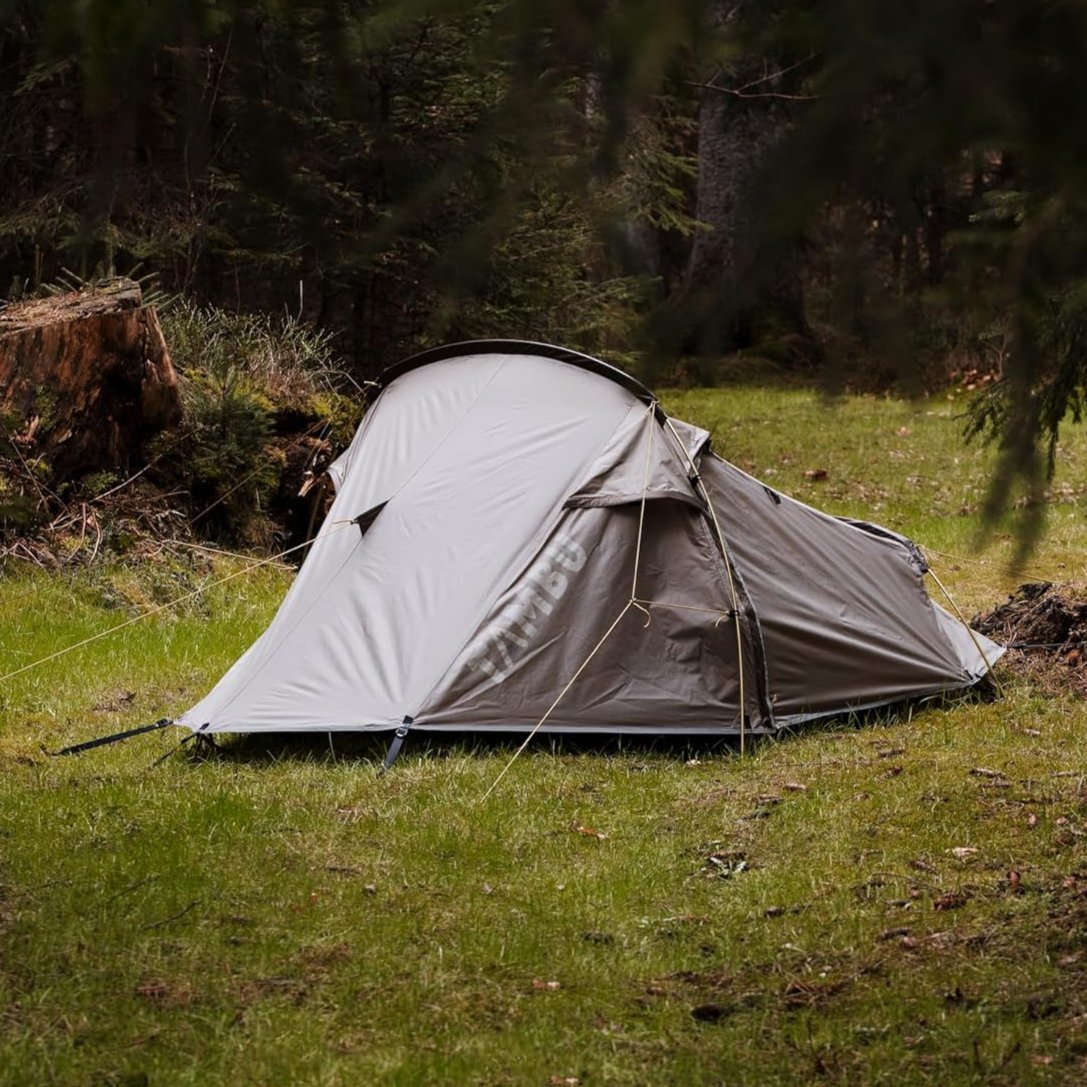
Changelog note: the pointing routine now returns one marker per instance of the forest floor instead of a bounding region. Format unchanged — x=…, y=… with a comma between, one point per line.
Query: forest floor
x=901, y=899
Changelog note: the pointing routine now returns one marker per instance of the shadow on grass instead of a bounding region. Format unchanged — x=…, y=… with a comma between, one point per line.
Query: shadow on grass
x=371, y=747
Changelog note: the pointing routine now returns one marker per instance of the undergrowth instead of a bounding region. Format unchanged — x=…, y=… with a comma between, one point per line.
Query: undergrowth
x=266, y=401
x=265, y=404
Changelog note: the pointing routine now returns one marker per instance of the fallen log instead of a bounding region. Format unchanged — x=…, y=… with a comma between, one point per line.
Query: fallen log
x=85, y=379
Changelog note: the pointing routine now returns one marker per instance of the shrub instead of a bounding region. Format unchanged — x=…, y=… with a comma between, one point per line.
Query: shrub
x=251, y=384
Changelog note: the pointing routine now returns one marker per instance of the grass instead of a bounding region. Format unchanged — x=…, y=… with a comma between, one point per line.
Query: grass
x=857, y=904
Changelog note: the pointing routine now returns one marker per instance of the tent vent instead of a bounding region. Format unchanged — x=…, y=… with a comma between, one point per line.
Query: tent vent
x=365, y=520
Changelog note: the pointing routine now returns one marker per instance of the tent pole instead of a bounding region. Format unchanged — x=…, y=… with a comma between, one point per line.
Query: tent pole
x=969, y=630
x=726, y=554
x=641, y=511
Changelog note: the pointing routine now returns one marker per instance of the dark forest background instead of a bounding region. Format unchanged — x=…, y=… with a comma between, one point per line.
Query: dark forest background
x=869, y=193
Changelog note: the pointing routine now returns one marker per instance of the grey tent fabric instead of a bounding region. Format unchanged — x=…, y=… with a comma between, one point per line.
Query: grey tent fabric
x=842, y=609
x=520, y=534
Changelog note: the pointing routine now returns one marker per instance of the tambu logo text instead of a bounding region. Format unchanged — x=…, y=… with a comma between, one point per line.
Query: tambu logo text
x=535, y=596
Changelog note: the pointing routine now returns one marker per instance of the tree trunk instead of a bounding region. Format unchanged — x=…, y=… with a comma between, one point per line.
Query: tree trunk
x=85, y=379
x=731, y=284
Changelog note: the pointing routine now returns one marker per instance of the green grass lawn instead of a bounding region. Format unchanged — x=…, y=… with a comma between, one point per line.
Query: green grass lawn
x=902, y=902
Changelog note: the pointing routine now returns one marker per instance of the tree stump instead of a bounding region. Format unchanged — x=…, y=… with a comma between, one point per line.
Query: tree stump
x=85, y=379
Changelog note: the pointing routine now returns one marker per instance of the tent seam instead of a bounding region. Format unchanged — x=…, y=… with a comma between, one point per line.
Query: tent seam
x=453, y=429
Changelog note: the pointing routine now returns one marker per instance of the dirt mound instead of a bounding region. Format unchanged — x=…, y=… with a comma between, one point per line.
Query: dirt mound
x=1044, y=627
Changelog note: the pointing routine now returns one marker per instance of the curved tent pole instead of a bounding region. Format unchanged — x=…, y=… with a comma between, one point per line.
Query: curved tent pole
x=519, y=347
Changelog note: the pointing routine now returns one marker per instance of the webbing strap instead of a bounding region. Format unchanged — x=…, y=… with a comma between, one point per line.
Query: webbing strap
x=397, y=744
x=199, y=734
x=75, y=749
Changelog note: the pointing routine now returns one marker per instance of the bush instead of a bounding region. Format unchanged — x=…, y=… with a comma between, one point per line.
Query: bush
x=251, y=386
x=287, y=358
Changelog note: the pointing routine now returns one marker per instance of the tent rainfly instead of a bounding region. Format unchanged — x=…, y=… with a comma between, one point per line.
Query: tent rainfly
x=522, y=539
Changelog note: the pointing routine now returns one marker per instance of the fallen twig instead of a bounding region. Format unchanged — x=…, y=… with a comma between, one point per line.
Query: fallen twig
x=173, y=917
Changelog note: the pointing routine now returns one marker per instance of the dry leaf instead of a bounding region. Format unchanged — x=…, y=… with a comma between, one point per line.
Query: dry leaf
x=984, y=772
x=168, y=994
x=725, y=863
x=903, y=432
x=962, y=851
x=589, y=832
x=953, y=900
x=795, y=787
x=545, y=986
x=153, y=990
x=563, y=1081
x=1015, y=882
x=816, y=475
x=894, y=933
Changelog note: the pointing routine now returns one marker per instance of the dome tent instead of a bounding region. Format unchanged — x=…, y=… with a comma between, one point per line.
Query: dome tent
x=522, y=539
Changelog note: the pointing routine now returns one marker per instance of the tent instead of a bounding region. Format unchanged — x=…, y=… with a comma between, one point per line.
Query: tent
x=521, y=538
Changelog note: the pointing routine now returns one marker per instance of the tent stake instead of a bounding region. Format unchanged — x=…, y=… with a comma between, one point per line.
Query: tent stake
x=396, y=745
